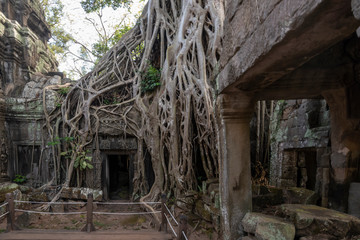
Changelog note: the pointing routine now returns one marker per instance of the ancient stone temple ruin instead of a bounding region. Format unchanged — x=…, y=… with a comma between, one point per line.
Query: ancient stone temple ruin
x=24, y=57
x=290, y=51
x=284, y=53
x=301, y=145
x=30, y=85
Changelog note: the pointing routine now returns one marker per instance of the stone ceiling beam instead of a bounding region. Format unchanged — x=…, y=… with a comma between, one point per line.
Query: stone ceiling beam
x=263, y=49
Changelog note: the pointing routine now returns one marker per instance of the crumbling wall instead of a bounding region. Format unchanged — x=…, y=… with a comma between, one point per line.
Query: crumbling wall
x=300, y=145
x=23, y=45
x=25, y=130
x=24, y=58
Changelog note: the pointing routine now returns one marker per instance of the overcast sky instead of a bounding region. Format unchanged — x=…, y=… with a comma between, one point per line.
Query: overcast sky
x=76, y=24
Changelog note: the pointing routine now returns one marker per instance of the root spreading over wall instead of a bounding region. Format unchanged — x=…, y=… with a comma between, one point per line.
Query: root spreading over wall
x=175, y=123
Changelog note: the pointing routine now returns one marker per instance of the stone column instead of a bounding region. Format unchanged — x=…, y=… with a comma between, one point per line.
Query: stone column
x=235, y=112
x=345, y=148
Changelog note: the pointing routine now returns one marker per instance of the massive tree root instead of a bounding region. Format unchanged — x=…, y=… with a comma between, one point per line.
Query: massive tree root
x=174, y=123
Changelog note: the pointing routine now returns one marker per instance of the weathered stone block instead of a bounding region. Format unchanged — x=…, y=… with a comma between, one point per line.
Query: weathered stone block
x=354, y=199
x=81, y=193
x=300, y=196
x=38, y=196
x=355, y=5
x=265, y=196
x=319, y=237
x=290, y=158
x=312, y=220
x=7, y=188
x=25, y=189
x=289, y=172
x=323, y=161
x=287, y=183
x=57, y=208
x=249, y=238
x=268, y=227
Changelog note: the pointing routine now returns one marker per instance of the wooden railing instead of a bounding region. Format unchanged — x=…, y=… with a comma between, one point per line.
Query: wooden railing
x=167, y=218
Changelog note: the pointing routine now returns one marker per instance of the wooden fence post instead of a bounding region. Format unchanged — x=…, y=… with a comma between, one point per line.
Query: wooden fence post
x=11, y=209
x=89, y=227
x=163, y=226
x=182, y=228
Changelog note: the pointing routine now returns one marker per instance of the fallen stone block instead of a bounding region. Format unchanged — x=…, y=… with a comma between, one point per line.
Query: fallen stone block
x=312, y=220
x=7, y=188
x=268, y=227
x=300, y=196
x=81, y=193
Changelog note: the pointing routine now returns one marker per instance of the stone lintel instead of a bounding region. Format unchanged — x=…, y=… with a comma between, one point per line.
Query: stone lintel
x=292, y=34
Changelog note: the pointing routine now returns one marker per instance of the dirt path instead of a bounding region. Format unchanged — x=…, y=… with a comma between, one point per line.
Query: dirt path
x=98, y=235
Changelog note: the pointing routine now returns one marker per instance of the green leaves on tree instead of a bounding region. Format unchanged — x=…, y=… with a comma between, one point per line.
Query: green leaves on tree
x=95, y=5
x=19, y=179
x=104, y=44
x=150, y=79
x=82, y=161
x=53, y=13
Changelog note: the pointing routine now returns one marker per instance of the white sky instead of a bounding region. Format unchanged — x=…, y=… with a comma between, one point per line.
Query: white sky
x=83, y=31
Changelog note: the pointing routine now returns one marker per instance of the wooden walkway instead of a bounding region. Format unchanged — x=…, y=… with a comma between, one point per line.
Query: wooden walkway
x=72, y=235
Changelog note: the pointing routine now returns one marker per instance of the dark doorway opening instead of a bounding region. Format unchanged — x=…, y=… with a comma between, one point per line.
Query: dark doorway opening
x=27, y=159
x=311, y=167
x=119, y=177
x=307, y=168
x=149, y=171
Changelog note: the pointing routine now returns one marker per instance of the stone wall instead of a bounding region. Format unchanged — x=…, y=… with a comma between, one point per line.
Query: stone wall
x=23, y=44
x=24, y=58
x=300, y=144
x=26, y=134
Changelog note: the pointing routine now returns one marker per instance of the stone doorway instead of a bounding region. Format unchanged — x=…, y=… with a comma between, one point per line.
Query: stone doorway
x=119, y=171
x=27, y=160
x=307, y=168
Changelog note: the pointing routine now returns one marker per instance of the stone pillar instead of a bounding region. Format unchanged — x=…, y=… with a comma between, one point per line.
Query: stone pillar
x=235, y=112
x=4, y=161
x=345, y=148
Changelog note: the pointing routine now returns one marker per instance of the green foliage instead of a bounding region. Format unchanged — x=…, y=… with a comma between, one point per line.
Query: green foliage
x=53, y=143
x=69, y=139
x=95, y=5
x=150, y=79
x=104, y=44
x=82, y=161
x=64, y=90
x=19, y=178
x=53, y=13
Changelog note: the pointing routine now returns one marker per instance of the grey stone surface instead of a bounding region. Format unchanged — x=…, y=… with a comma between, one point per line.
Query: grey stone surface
x=296, y=127
x=38, y=196
x=354, y=199
x=262, y=41
x=319, y=237
x=355, y=5
x=300, y=196
x=311, y=220
x=7, y=188
x=268, y=227
x=118, y=143
x=81, y=193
